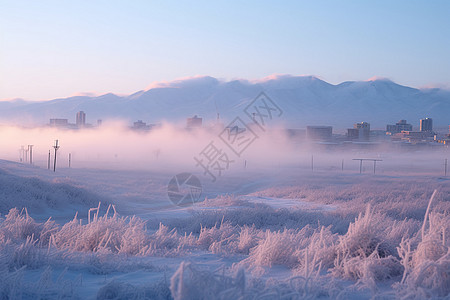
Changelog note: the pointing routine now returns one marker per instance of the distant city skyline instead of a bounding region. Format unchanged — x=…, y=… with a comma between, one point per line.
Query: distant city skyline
x=52, y=49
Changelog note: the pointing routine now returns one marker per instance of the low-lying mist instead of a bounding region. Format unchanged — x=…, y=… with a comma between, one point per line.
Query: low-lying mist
x=115, y=145
x=171, y=147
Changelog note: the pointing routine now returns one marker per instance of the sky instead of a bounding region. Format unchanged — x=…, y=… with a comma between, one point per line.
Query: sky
x=51, y=49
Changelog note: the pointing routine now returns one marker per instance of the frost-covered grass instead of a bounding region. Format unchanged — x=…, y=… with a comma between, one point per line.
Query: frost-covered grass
x=397, y=197
x=383, y=237
x=411, y=256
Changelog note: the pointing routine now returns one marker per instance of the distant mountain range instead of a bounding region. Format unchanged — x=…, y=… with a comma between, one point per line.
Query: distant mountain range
x=305, y=100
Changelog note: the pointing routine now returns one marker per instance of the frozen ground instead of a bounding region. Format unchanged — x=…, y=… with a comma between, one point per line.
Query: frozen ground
x=272, y=233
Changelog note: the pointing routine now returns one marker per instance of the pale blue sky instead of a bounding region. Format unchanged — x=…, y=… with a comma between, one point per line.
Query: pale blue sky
x=52, y=49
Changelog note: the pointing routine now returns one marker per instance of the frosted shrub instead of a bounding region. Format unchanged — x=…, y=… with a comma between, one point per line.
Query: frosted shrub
x=26, y=254
x=219, y=239
x=191, y=283
x=369, y=270
x=431, y=277
x=102, y=233
x=248, y=238
x=322, y=246
x=364, y=236
x=364, y=252
x=21, y=238
x=430, y=249
x=288, y=248
x=225, y=201
x=165, y=242
x=18, y=226
x=427, y=267
x=277, y=248
x=309, y=284
x=260, y=216
x=133, y=237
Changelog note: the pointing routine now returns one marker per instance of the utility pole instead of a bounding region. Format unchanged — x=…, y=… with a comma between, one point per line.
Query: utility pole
x=70, y=158
x=22, y=153
x=26, y=153
x=56, y=147
x=31, y=153
x=312, y=163
x=342, y=166
x=445, y=167
x=48, y=161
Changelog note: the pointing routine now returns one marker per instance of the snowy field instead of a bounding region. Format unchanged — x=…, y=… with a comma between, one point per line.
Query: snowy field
x=266, y=229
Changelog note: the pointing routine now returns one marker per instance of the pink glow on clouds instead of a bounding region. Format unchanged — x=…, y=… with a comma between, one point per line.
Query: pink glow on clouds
x=442, y=86
x=183, y=80
x=172, y=83
x=86, y=94
x=274, y=76
x=378, y=78
x=95, y=94
x=277, y=76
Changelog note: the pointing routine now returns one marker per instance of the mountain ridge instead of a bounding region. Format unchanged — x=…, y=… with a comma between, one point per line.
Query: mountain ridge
x=305, y=100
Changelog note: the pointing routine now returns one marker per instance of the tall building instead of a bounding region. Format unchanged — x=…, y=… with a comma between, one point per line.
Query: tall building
x=194, y=122
x=426, y=124
x=363, y=130
x=360, y=131
x=139, y=125
x=400, y=126
x=81, y=118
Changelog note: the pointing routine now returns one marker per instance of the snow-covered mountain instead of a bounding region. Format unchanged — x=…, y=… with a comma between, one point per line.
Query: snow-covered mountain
x=305, y=100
